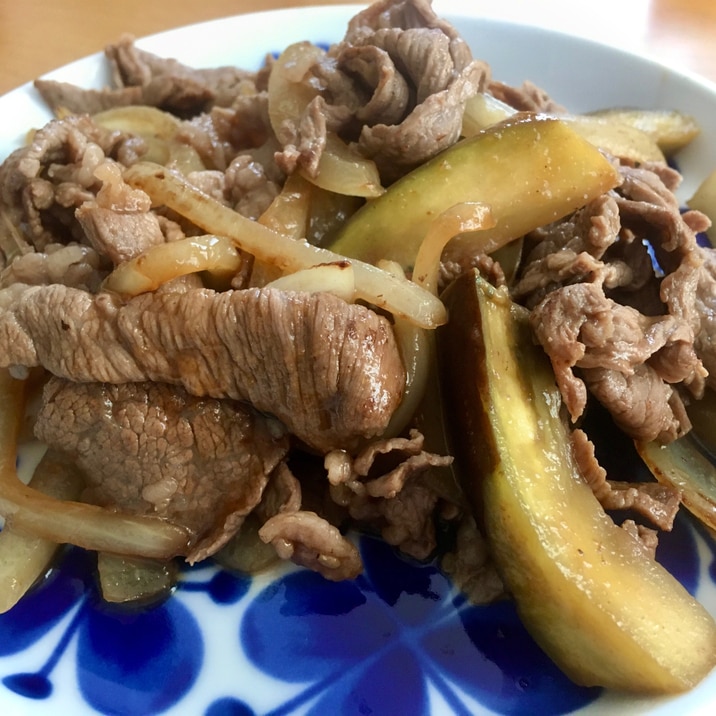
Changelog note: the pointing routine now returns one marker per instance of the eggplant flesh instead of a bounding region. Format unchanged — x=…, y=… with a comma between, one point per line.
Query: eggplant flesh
x=531, y=170
x=603, y=610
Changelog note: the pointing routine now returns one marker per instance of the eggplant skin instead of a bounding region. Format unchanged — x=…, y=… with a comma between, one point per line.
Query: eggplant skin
x=461, y=357
x=605, y=612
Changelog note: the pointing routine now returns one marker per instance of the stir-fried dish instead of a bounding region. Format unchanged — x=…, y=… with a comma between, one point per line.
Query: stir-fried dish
x=368, y=287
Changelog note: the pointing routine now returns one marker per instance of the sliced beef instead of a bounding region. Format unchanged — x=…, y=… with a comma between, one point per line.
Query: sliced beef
x=311, y=541
x=330, y=371
x=526, y=98
x=406, y=521
x=656, y=502
x=407, y=15
x=705, y=305
x=282, y=494
x=616, y=322
x=403, y=110
x=72, y=265
x=470, y=565
x=152, y=449
x=383, y=467
x=571, y=250
x=43, y=183
x=382, y=488
x=617, y=350
x=67, y=187
x=119, y=235
x=140, y=77
x=250, y=189
x=67, y=97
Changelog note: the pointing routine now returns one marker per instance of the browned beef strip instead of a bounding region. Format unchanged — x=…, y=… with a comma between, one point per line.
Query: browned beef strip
x=617, y=350
x=642, y=404
x=636, y=339
x=63, y=96
x=150, y=448
x=658, y=503
x=140, y=77
x=71, y=265
x=43, y=183
x=387, y=94
x=119, y=235
x=705, y=303
x=399, y=113
x=330, y=371
x=311, y=541
x=406, y=14
x=432, y=126
x=133, y=66
x=470, y=565
x=439, y=76
x=282, y=494
x=527, y=98
x=406, y=521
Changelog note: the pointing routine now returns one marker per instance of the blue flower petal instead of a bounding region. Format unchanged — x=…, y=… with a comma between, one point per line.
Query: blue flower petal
x=228, y=588
x=139, y=663
x=229, y=707
x=32, y=686
x=415, y=591
x=490, y=655
x=44, y=606
x=389, y=685
x=303, y=627
x=678, y=552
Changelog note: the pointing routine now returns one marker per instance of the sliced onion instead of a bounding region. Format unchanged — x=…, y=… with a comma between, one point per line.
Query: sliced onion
x=398, y=296
x=159, y=130
x=140, y=120
x=682, y=465
x=415, y=350
x=483, y=110
x=161, y=263
x=62, y=521
x=704, y=200
x=25, y=558
x=289, y=212
x=343, y=170
x=458, y=219
x=336, y=278
x=289, y=88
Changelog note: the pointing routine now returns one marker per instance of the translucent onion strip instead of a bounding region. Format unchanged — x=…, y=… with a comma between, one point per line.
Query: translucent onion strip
x=25, y=558
x=134, y=579
x=415, y=350
x=29, y=511
x=291, y=89
x=343, y=170
x=398, y=296
x=458, y=219
x=483, y=110
x=682, y=465
x=160, y=131
x=163, y=262
x=289, y=213
x=140, y=120
x=337, y=278
x=704, y=200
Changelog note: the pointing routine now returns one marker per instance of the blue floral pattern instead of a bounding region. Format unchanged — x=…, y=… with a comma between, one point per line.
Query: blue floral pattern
x=399, y=639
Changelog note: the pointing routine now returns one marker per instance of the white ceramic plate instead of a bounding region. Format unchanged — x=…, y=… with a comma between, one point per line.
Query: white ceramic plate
x=399, y=640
